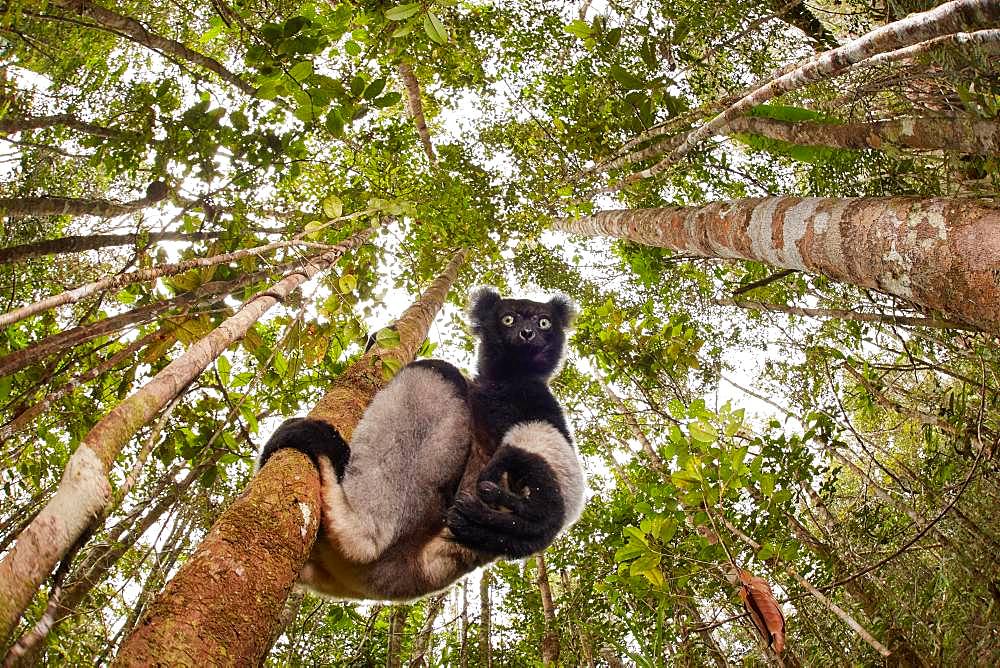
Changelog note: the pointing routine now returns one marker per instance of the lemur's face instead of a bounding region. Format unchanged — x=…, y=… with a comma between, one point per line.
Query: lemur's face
x=520, y=335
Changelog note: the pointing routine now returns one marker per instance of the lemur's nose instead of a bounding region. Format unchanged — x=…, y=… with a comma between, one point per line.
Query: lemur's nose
x=527, y=334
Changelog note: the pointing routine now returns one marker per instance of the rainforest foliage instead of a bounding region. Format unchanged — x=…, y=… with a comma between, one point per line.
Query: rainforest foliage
x=755, y=437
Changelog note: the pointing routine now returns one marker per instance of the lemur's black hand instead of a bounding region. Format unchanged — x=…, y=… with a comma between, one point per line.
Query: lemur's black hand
x=517, y=509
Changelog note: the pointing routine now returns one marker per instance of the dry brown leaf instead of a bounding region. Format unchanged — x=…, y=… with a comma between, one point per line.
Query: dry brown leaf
x=765, y=613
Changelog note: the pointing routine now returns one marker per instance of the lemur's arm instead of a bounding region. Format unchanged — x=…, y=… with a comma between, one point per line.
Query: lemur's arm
x=530, y=490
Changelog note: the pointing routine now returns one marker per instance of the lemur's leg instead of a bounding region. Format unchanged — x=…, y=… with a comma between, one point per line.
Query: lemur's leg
x=529, y=491
x=414, y=429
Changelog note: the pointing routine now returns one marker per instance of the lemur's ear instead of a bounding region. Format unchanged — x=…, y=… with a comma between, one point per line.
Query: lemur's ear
x=563, y=310
x=483, y=304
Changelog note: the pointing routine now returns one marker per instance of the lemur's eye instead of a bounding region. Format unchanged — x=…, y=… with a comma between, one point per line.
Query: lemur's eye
x=507, y=320
x=544, y=323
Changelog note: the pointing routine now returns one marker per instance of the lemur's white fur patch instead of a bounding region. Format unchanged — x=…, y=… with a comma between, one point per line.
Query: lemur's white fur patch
x=543, y=439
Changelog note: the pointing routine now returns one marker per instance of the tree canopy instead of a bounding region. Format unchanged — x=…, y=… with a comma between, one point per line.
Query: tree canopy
x=210, y=210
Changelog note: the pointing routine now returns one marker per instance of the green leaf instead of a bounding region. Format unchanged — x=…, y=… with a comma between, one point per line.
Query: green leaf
x=387, y=100
x=223, y=365
x=402, y=12
x=626, y=78
x=782, y=112
x=767, y=481
x=312, y=229
x=578, y=28
x=301, y=70
x=667, y=530
x=357, y=86
x=635, y=534
x=348, y=283
x=435, y=29
x=374, y=89
x=766, y=552
x=239, y=120
x=703, y=432
x=352, y=48
x=333, y=207
x=390, y=367
x=387, y=338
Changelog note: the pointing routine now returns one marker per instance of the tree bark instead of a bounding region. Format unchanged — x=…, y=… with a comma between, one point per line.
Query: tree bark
x=844, y=314
x=138, y=33
x=941, y=254
x=19, y=359
x=397, y=625
x=85, y=487
x=949, y=17
x=21, y=207
x=119, y=281
x=485, y=619
x=418, y=658
x=77, y=244
x=252, y=556
x=13, y=124
x=550, y=636
x=945, y=133
x=416, y=108
x=22, y=419
x=463, y=650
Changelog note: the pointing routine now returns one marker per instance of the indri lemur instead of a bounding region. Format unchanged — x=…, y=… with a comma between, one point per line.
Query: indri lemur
x=444, y=474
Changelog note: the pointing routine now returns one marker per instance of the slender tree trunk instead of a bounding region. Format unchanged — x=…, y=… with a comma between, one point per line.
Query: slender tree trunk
x=705, y=633
x=463, y=651
x=844, y=314
x=634, y=426
x=76, y=244
x=21, y=207
x=485, y=620
x=223, y=604
x=138, y=33
x=816, y=593
x=397, y=625
x=85, y=488
x=961, y=134
x=34, y=353
x=23, y=418
x=550, y=635
x=119, y=281
x=422, y=643
x=416, y=108
x=903, y=652
x=941, y=254
x=13, y=124
x=949, y=17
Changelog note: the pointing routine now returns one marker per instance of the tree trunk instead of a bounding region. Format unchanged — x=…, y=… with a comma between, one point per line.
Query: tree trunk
x=21, y=207
x=22, y=419
x=134, y=30
x=119, y=281
x=463, y=650
x=550, y=637
x=222, y=606
x=949, y=17
x=85, y=489
x=78, y=243
x=13, y=124
x=941, y=254
x=37, y=351
x=397, y=625
x=485, y=619
x=416, y=108
x=956, y=133
x=418, y=657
